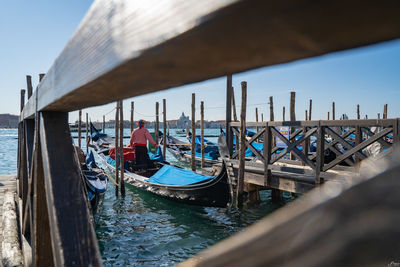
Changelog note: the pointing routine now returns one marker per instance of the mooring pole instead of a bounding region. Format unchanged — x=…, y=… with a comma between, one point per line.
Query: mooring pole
x=240, y=184
x=132, y=110
x=385, y=111
x=116, y=148
x=165, y=128
x=202, y=132
x=80, y=129
x=328, y=115
x=283, y=113
x=306, y=115
x=104, y=123
x=257, y=119
x=310, y=109
x=333, y=110
x=271, y=109
x=358, y=112
x=235, y=119
x=29, y=85
x=262, y=117
x=228, y=118
x=193, y=133
x=121, y=145
x=379, y=116
x=22, y=99
x=87, y=133
x=157, y=121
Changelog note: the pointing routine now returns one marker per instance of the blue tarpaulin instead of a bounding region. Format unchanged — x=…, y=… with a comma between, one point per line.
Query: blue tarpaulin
x=170, y=175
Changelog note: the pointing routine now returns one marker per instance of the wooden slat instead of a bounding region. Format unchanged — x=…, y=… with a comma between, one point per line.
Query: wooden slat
x=72, y=233
x=315, y=231
x=138, y=47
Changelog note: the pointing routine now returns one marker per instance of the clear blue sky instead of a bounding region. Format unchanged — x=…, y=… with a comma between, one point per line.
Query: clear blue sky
x=35, y=32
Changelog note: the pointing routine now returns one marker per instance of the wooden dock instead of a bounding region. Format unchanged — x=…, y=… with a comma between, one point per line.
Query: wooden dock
x=10, y=249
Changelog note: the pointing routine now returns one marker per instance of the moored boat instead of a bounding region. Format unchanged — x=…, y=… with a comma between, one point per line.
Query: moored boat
x=167, y=181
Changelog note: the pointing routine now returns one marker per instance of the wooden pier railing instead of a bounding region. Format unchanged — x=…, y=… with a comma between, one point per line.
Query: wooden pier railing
x=119, y=52
x=339, y=145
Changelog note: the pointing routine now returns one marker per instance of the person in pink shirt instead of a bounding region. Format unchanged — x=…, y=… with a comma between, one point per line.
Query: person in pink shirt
x=138, y=141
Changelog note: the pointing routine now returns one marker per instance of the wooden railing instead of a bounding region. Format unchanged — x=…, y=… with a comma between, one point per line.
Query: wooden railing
x=345, y=140
x=118, y=52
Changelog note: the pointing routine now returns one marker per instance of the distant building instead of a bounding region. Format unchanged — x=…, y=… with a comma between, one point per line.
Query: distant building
x=8, y=121
x=181, y=122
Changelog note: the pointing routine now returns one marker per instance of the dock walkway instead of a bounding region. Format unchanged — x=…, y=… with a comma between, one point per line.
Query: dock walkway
x=11, y=251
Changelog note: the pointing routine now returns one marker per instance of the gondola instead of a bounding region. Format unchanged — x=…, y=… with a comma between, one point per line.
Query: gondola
x=182, y=152
x=207, y=191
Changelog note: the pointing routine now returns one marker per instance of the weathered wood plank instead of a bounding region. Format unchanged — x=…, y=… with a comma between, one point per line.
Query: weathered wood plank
x=72, y=234
x=331, y=226
x=124, y=43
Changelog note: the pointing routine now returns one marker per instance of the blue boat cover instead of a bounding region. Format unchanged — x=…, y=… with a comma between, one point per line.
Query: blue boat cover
x=210, y=151
x=157, y=157
x=170, y=175
x=90, y=162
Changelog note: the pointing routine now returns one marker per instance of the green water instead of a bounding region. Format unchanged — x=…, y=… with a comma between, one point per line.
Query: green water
x=145, y=230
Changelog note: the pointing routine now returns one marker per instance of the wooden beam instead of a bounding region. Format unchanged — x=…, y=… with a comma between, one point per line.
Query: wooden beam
x=116, y=149
x=193, y=148
x=310, y=109
x=228, y=115
x=121, y=145
x=22, y=105
x=104, y=123
x=80, y=129
x=333, y=110
x=29, y=85
x=73, y=237
x=131, y=49
x=202, y=132
x=374, y=240
x=164, y=128
x=240, y=182
x=87, y=133
x=156, y=128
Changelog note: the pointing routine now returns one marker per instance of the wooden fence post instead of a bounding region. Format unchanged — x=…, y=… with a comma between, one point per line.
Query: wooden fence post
x=121, y=145
x=165, y=128
x=116, y=149
x=292, y=116
x=156, y=128
x=242, y=152
x=193, y=158
x=80, y=129
x=320, y=153
x=202, y=132
x=29, y=85
x=132, y=110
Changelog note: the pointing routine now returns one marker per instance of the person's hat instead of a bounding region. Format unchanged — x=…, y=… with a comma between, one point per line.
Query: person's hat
x=141, y=122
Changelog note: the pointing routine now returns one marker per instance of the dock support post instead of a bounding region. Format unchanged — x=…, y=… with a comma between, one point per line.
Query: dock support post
x=165, y=128
x=202, y=132
x=104, y=124
x=228, y=118
x=132, y=110
x=121, y=145
x=29, y=85
x=240, y=183
x=80, y=129
x=276, y=194
x=292, y=116
x=116, y=149
x=193, y=155
x=87, y=133
x=320, y=153
x=157, y=126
